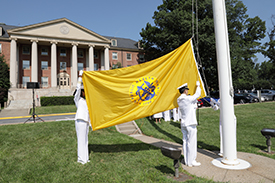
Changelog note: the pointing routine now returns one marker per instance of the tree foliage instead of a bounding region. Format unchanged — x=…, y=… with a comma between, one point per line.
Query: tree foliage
x=4, y=79
x=173, y=26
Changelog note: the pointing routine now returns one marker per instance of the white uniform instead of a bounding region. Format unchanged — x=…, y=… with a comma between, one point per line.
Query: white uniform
x=158, y=115
x=216, y=105
x=82, y=121
x=176, y=114
x=167, y=115
x=187, y=107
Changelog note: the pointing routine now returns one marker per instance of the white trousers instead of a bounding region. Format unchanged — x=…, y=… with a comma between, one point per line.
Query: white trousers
x=189, y=143
x=167, y=115
x=176, y=114
x=82, y=130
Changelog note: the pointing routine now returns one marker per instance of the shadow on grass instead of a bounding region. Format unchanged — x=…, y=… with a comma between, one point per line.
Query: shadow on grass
x=175, y=138
x=203, y=145
x=119, y=147
x=259, y=146
x=165, y=169
x=175, y=124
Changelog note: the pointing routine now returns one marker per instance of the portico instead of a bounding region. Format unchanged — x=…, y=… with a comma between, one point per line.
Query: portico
x=53, y=52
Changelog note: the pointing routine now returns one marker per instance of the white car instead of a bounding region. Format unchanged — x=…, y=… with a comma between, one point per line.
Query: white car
x=255, y=95
x=268, y=94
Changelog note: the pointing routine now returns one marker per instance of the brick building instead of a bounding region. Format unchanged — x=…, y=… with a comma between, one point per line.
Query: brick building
x=53, y=52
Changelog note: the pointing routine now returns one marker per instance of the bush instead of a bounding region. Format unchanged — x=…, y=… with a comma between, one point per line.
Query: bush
x=60, y=100
x=4, y=79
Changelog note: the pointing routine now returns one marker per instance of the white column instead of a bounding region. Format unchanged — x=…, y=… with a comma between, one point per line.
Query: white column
x=74, y=65
x=53, y=64
x=34, y=62
x=102, y=61
x=225, y=84
x=91, y=57
x=106, y=58
x=13, y=66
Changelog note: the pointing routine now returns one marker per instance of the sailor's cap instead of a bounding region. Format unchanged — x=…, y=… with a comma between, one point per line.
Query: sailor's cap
x=184, y=86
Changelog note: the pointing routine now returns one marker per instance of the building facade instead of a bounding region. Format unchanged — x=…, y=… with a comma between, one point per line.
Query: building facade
x=53, y=52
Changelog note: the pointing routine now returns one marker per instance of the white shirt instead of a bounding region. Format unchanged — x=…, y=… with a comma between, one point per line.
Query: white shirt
x=187, y=106
x=82, y=111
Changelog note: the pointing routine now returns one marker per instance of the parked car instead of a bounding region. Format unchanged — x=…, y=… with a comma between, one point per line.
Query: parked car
x=206, y=101
x=255, y=95
x=268, y=94
x=241, y=98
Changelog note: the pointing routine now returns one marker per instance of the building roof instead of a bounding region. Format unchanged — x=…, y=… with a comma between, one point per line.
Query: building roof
x=124, y=43
x=5, y=28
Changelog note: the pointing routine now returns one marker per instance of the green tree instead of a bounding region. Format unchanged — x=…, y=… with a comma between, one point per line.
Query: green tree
x=4, y=79
x=117, y=65
x=173, y=27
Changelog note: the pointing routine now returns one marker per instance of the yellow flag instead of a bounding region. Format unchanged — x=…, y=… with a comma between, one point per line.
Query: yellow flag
x=121, y=95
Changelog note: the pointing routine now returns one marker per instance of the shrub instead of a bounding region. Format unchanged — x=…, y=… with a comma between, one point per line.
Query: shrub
x=57, y=100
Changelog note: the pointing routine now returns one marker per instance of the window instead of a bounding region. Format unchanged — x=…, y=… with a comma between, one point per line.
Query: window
x=63, y=52
x=80, y=66
x=26, y=64
x=25, y=80
x=63, y=66
x=44, y=51
x=129, y=56
x=80, y=54
x=114, y=42
x=44, y=65
x=26, y=50
x=44, y=81
x=0, y=48
x=96, y=54
x=141, y=58
x=114, y=55
x=95, y=67
x=128, y=65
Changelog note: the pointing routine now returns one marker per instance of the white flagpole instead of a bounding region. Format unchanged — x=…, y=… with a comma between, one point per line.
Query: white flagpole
x=225, y=86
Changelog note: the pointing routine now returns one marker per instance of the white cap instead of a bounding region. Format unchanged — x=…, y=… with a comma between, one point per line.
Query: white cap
x=183, y=86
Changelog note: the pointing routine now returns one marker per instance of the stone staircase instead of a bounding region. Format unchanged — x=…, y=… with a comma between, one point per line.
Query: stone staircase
x=129, y=128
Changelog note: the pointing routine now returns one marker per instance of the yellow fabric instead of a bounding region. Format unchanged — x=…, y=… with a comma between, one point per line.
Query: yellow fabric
x=121, y=95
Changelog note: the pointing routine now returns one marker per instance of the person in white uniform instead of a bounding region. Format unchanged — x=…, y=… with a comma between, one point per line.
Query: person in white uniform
x=175, y=114
x=215, y=104
x=82, y=120
x=167, y=115
x=187, y=106
x=158, y=117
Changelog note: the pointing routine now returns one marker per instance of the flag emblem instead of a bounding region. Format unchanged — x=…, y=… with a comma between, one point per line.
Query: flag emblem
x=144, y=90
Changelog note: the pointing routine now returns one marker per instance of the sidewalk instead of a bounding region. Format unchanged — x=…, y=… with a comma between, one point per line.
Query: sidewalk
x=262, y=168
x=14, y=112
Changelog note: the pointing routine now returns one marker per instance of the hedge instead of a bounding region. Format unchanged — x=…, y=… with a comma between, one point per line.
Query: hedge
x=57, y=100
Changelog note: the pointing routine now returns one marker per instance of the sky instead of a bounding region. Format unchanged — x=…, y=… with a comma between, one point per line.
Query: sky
x=119, y=18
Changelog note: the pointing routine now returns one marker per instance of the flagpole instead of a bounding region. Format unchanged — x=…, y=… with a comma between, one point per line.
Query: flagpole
x=225, y=88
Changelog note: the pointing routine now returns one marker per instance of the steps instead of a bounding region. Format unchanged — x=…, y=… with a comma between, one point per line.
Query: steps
x=129, y=128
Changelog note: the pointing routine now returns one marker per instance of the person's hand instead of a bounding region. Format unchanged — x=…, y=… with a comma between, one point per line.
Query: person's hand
x=80, y=73
x=198, y=83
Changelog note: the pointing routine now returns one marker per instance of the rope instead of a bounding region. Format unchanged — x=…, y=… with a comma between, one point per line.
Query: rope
x=196, y=42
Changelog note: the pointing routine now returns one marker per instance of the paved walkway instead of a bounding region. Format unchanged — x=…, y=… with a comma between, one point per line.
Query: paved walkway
x=14, y=112
x=262, y=169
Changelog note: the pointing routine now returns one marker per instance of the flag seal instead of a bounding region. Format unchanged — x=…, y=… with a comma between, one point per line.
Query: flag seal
x=144, y=90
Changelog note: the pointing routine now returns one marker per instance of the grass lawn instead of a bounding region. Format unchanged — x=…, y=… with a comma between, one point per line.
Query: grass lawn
x=251, y=119
x=54, y=109
x=47, y=152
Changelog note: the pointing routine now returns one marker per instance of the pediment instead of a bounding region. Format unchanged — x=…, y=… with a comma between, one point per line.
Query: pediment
x=59, y=29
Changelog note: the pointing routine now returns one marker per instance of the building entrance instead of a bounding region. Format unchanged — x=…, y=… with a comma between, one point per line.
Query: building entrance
x=63, y=80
